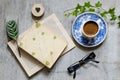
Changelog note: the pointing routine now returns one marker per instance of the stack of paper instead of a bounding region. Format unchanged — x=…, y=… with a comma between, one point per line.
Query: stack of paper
x=42, y=43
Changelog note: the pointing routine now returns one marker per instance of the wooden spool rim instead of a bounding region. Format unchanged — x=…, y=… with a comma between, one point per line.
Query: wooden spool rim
x=35, y=13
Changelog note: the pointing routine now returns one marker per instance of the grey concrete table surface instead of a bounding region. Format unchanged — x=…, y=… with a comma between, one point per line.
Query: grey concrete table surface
x=108, y=53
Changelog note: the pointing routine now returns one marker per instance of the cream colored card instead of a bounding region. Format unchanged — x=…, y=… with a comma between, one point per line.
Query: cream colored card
x=43, y=44
x=29, y=64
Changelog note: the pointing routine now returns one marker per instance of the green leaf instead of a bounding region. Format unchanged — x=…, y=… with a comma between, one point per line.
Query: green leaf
x=78, y=9
x=67, y=15
x=12, y=29
x=113, y=17
x=119, y=17
x=98, y=4
x=118, y=24
x=87, y=4
x=78, y=6
x=82, y=9
x=111, y=11
x=75, y=12
x=91, y=10
x=103, y=14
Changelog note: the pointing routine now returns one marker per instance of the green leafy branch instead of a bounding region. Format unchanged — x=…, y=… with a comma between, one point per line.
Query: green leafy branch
x=97, y=7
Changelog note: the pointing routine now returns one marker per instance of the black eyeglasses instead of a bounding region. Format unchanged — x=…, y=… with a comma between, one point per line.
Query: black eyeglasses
x=90, y=57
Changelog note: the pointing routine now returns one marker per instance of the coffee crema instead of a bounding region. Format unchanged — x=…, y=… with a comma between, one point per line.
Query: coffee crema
x=90, y=28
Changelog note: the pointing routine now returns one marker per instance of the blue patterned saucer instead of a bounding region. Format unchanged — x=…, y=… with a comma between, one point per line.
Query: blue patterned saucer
x=78, y=23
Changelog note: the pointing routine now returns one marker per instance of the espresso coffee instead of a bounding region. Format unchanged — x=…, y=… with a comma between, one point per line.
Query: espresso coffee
x=90, y=28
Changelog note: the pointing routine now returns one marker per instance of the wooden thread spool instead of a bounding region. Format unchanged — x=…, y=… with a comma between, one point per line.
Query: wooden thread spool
x=37, y=10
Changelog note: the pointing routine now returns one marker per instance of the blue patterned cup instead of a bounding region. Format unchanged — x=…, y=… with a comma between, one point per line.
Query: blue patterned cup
x=88, y=40
x=90, y=29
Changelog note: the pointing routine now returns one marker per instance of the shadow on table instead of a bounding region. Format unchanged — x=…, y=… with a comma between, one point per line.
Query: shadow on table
x=36, y=18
